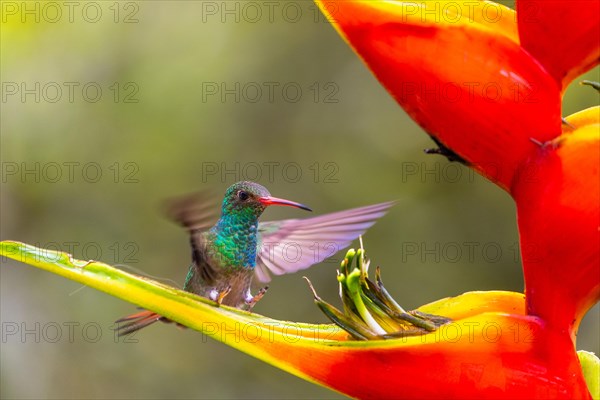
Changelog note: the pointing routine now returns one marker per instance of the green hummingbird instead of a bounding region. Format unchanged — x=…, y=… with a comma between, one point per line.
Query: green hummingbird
x=237, y=248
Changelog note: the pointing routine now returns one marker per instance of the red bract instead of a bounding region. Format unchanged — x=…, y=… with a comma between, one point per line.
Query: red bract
x=465, y=80
x=561, y=35
x=557, y=194
x=491, y=349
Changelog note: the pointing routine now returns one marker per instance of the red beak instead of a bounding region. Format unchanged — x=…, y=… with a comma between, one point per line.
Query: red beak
x=269, y=200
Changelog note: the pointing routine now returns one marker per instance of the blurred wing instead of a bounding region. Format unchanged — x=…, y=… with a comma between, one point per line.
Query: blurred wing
x=196, y=211
x=295, y=244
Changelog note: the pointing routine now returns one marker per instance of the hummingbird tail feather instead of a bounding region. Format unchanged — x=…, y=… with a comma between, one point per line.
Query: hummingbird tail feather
x=138, y=321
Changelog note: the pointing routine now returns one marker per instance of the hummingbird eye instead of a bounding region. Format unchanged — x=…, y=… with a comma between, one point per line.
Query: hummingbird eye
x=242, y=195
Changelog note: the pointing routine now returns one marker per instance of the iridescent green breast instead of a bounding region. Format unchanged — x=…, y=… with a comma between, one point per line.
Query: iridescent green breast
x=233, y=240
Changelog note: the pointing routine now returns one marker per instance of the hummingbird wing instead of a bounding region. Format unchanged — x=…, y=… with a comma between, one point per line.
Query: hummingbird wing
x=295, y=244
x=196, y=211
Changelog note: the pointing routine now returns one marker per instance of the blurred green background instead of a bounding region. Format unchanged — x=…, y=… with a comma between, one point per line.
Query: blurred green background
x=86, y=174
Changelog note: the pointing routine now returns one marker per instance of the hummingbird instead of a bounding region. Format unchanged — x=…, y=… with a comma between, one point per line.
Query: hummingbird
x=229, y=255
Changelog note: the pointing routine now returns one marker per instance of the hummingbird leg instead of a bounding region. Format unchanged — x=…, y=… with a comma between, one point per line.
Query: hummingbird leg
x=222, y=294
x=218, y=296
x=252, y=300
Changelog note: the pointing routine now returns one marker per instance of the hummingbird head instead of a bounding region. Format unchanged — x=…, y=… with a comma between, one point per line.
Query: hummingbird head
x=250, y=196
x=236, y=231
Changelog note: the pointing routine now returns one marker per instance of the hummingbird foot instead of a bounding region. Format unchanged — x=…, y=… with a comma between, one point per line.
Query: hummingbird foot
x=219, y=296
x=252, y=300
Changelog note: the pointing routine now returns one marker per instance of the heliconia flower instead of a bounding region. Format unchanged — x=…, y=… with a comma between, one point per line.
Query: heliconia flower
x=487, y=83
x=429, y=55
x=370, y=312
